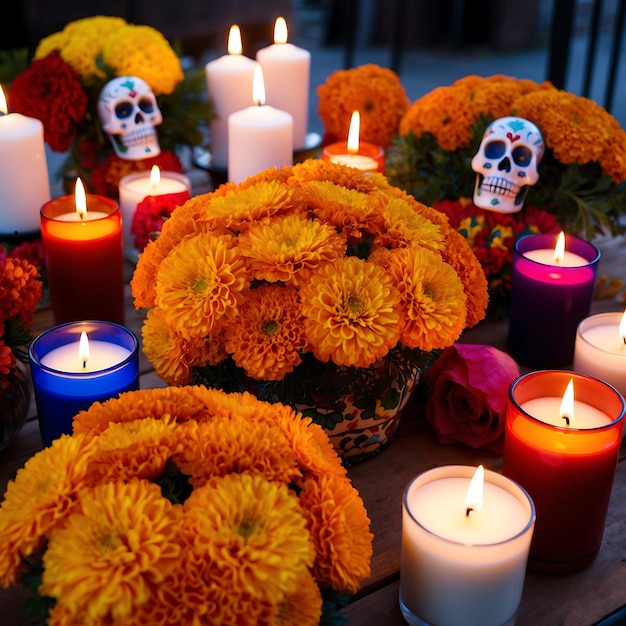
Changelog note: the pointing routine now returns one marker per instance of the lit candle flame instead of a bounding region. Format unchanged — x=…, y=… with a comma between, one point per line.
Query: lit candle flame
x=559, y=248
x=474, y=499
x=354, y=132
x=258, y=86
x=567, y=404
x=80, y=199
x=3, y=102
x=234, y=40
x=280, y=30
x=622, y=328
x=155, y=180
x=83, y=349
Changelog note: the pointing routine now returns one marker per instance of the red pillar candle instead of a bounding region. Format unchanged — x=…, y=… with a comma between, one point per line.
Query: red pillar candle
x=568, y=470
x=355, y=153
x=84, y=259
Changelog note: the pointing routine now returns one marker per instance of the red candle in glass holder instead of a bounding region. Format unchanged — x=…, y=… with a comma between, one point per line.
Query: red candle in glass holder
x=562, y=445
x=355, y=153
x=82, y=240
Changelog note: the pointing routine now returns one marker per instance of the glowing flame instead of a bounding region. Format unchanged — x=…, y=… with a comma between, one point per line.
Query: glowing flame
x=258, y=86
x=567, y=404
x=559, y=248
x=280, y=30
x=83, y=349
x=80, y=199
x=354, y=132
x=3, y=102
x=474, y=499
x=234, y=40
x=155, y=179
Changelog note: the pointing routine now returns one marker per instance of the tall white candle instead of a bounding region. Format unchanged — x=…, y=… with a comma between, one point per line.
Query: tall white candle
x=460, y=568
x=600, y=349
x=259, y=137
x=229, y=85
x=24, y=182
x=286, y=72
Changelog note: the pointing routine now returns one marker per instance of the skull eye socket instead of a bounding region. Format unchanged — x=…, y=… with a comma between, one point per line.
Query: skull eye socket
x=146, y=105
x=522, y=156
x=124, y=110
x=495, y=149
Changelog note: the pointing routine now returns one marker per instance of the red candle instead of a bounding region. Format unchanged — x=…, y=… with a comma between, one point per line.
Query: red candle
x=84, y=260
x=565, y=455
x=355, y=153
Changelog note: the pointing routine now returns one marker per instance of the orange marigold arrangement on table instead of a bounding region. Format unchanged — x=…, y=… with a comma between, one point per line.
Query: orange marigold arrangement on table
x=186, y=506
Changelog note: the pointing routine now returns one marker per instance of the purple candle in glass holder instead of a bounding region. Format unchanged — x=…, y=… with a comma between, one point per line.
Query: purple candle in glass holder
x=551, y=291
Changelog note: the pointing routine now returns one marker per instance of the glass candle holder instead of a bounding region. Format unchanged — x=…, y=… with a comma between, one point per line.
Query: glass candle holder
x=84, y=259
x=548, y=301
x=368, y=158
x=65, y=383
x=568, y=470
x=460, y=567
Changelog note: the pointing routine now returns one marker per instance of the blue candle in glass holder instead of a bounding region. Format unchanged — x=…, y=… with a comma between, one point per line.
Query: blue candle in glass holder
x=76, y=364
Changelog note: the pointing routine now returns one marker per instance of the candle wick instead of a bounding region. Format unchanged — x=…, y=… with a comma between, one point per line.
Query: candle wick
x=566, y=418
x=85, y=364
x=467, y=511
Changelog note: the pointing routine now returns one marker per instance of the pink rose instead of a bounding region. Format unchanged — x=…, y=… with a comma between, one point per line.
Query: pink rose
x=469, y=386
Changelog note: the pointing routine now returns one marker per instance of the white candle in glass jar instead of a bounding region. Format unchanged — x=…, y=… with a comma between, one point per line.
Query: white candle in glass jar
x=102, y=355
x=286, y=72
x=459, y=567
x=600, y=349
x=547, y=409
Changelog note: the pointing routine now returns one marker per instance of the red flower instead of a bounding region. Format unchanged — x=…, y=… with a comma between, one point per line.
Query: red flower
x=151, y=213
x=50, y=91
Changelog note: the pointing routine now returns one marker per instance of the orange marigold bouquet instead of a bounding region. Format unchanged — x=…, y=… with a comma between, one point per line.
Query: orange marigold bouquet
x=297, y=283
x=186, y=506
x=582, y=172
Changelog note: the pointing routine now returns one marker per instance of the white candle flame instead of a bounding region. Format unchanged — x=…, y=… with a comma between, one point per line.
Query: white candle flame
x=354, y=132
x=280, y=30
x=234, y=40
x=258, y=86
x=567, y=404
x=622, y=328
x=80, y=199
x=559, y=248
x=83, y=349
x=3, y=102
x=155, y=180
x=474, y=499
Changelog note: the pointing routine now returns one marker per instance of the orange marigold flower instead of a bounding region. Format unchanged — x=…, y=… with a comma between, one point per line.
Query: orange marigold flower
x=613, y=161
x=119, y=542
x=348, y=177
x=351, y=312
x=20, y=288
x=289, y=247
x=302, y=608
x=375, y=92
x=267, y=338
x=339, y=525
x=199, y=285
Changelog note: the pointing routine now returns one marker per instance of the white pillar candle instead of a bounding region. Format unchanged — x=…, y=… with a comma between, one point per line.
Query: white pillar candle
x=460, y=568
x=229, y=86
x=259, y=137
x=24, y=182
x=286, y=72
x=600, y=349
x=134, y=188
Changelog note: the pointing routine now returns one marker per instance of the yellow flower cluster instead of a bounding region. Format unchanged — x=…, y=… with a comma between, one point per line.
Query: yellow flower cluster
x=128, y=49
x=374, y=91
x=316, y=258
x=269, y=518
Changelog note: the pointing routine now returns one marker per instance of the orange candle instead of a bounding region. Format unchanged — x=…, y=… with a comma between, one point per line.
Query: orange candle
x=355, y=153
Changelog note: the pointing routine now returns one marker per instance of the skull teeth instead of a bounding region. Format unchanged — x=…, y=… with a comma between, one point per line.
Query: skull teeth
x=500, y=186
x=140, y=137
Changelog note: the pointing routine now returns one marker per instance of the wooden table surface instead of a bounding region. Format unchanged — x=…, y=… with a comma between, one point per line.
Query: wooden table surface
x=582, y=599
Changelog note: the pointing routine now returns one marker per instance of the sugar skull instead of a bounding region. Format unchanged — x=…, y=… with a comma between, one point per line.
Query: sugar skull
x=129, y=112
x=506, y=164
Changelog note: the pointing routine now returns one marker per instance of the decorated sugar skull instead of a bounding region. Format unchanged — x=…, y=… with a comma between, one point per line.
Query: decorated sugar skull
x=506, y=164
x=129, y=112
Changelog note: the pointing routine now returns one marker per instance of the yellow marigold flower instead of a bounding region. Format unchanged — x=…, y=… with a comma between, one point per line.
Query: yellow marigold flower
x=43, y=493
x=342, y=175
x=267, y=338
x=613, y=161
x=432, y=296
x=234, y=445
x=351, y=311
x=144, y=52
x=375, y=92
x=339, y=525
x=254, y=531
x=289, y=247
x=302, y=608
x=120, y=542
x=56, y=41
x=199, y=285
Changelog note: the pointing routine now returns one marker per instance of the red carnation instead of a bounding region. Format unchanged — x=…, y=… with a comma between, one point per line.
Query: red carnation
x=50, y=90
